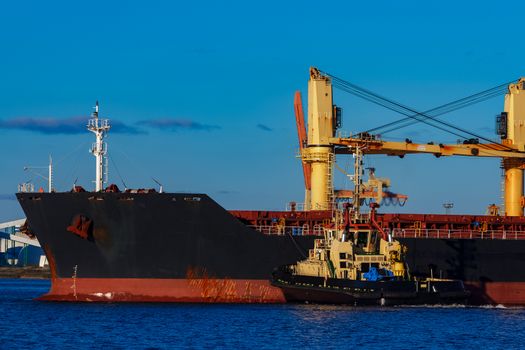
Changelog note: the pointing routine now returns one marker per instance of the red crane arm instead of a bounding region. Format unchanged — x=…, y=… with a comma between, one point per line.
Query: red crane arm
x=301, y=132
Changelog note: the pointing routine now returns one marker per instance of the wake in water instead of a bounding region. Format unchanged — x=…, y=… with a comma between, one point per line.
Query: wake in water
x=324, y=307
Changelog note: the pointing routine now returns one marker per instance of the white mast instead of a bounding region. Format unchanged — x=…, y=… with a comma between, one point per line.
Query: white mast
x=99, y=149
x=358, y=181
x=50, y=175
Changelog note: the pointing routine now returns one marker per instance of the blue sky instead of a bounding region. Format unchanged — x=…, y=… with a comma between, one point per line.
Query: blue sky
x=201, y=93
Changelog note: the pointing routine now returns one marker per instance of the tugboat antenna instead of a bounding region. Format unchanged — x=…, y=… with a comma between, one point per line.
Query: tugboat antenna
x=99, y=149
x=358, y=181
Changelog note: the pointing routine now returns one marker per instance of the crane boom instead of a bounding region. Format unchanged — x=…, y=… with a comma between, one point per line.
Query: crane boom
x=392, y=148
x=301, y=133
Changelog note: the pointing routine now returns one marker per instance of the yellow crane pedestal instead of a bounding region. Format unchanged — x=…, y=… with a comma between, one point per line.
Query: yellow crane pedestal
x=513, y=192
x=513, y=120
x=320, y=160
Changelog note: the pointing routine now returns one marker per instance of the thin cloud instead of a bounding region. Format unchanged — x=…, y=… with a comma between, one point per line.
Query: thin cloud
x=177, y=124
x=121, y=128
x=226, y=192
x=68, y=126
x=264, y=127
x=7, y=197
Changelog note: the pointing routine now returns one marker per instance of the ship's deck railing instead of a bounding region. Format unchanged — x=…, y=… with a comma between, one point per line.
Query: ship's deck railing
x=296, y=206
x=456, y=234
x=316, y=230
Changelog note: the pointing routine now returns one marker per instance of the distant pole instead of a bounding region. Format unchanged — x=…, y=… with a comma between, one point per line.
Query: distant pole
x=50, y=177
x=29, y=187
x=448, y=207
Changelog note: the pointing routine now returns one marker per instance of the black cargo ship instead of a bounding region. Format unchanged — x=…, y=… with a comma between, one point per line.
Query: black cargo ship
x=142, y=245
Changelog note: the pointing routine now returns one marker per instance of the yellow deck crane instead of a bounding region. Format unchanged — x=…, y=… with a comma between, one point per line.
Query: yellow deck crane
x=321, y=144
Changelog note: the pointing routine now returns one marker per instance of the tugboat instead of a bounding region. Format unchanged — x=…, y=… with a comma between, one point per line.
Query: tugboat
x=359, y=264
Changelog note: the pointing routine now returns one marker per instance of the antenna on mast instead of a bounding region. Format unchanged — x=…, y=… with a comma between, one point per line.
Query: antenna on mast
x=99, y=149
x=158, y=183
x=29, y=187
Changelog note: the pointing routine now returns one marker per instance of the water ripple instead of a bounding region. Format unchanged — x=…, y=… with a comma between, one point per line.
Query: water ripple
x=29, y=324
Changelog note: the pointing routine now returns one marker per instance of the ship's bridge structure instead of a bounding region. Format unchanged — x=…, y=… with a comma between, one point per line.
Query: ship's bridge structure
x=319, y=142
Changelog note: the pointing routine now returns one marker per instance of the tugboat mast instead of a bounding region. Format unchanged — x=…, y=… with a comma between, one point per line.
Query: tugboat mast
x=358, y=182
x=99, y=149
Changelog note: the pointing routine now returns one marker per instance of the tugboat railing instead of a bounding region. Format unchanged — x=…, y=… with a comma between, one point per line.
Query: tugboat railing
x=316, y=230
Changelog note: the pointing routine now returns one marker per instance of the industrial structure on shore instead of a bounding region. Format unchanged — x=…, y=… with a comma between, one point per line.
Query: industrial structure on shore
x=17, y=249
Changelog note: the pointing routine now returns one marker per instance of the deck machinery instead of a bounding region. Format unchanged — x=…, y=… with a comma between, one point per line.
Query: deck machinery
x=319, y=148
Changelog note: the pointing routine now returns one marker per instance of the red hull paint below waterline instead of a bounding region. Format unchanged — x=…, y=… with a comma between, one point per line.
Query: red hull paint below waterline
x=494, y=293
x=226, y=291
x=163, y=290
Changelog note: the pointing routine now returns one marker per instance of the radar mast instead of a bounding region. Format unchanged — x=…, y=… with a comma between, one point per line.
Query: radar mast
x=99, y=149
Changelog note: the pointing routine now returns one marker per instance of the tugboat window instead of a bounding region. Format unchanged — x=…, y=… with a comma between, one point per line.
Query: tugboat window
x=373, y=238
x=362, y=239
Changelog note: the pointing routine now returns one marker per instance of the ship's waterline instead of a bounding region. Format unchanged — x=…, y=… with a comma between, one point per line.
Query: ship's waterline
x=163, y=290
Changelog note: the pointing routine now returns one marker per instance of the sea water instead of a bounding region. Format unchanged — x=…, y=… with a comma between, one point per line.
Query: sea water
x=30, y=324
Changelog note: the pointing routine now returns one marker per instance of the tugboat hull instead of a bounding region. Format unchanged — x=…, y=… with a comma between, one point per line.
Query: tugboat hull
x=352, y=292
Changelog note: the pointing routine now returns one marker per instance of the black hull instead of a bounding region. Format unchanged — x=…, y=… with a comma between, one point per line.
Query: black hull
x=492, y=269
x=153, y=236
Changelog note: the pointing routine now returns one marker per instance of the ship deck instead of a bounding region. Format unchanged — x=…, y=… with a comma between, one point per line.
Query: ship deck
x=398, y=225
